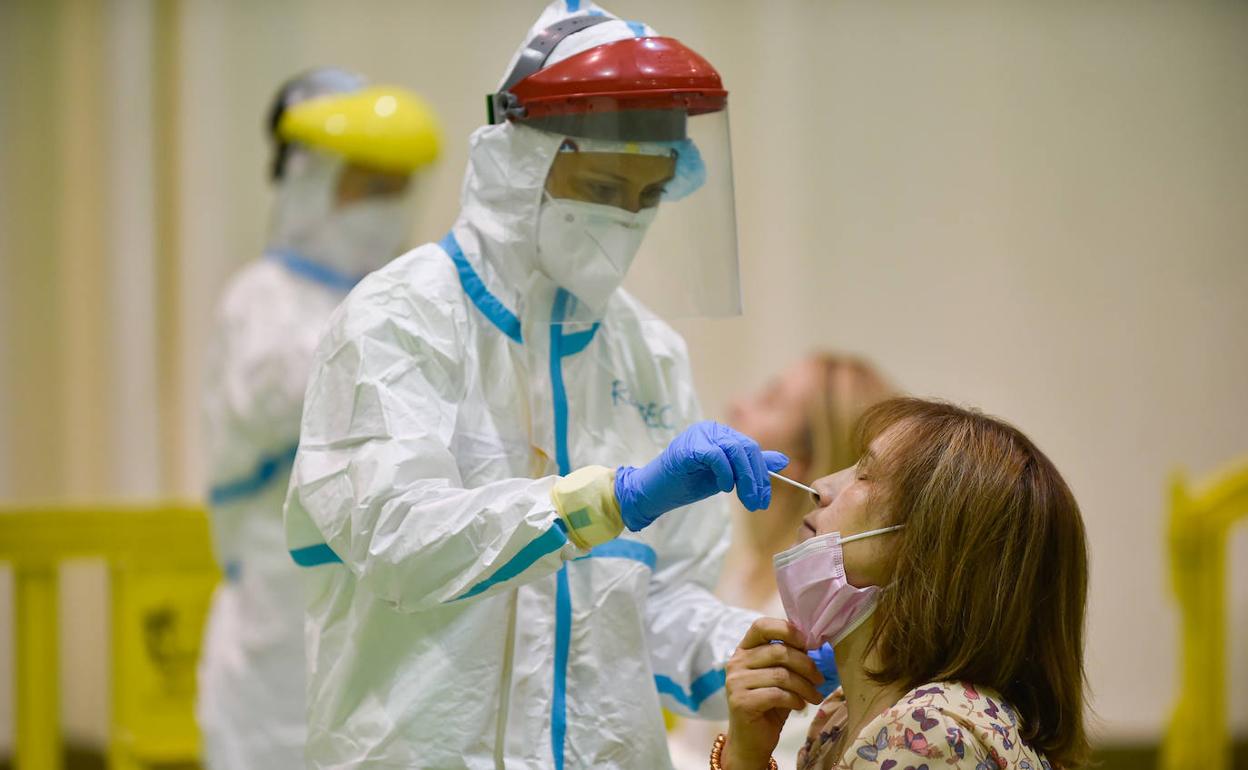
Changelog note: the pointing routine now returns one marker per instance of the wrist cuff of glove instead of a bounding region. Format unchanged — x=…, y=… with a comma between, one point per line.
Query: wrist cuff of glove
x=585, y=499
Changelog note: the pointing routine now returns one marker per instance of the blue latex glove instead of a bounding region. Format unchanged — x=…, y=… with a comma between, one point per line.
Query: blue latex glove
x=706, y=459
x=826, y=663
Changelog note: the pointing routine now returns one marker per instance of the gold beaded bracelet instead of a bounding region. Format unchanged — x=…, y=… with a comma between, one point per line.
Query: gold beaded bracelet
x=718, y=749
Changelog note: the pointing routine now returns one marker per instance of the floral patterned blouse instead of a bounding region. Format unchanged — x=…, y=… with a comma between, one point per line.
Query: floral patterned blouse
x=934, y=727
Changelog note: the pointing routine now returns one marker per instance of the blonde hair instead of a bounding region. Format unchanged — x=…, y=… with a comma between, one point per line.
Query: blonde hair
x=849, y=386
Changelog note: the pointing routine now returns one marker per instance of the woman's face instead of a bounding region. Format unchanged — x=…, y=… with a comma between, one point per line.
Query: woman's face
x=357, y=183
x=843, y=508
x=628, y=181
x=776, y=415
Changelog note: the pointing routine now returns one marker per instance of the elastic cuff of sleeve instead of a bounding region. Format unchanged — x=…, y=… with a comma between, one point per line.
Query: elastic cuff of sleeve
x=585, y=499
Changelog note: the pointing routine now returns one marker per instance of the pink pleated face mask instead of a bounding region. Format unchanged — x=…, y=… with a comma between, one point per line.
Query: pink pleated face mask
x=817, y=597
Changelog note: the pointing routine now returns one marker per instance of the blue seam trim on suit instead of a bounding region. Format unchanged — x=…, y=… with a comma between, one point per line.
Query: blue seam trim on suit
x=574, y=343
x=268, y=468
x=489, y=305
x=315, y=555
x=563, y=594
x=573, y=5
x=548, y=542
x=558, y=394
x=702, y=688
x=563, y=642
x=624, y=549
x=313, y=271
x=639, y=29
x=561, y=346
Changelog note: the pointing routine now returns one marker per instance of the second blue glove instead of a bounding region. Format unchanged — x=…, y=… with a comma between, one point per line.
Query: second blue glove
x=707, y=458
x=825, y=661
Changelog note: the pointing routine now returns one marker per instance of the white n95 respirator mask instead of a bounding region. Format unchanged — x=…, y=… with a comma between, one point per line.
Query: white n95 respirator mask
x=587, y=248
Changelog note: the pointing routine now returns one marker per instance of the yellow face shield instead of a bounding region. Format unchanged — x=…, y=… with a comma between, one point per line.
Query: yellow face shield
x=383, y=127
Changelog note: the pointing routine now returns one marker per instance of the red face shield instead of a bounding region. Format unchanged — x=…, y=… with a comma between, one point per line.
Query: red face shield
x=647, y=123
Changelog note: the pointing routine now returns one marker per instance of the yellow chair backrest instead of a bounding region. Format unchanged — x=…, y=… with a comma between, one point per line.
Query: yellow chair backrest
x=162, y=575
x=1199, y=526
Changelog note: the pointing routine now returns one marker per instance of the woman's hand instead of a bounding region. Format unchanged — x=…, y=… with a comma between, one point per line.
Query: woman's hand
x=768, y=676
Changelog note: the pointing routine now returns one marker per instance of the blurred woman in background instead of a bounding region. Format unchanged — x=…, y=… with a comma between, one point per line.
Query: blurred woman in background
x=808, y=411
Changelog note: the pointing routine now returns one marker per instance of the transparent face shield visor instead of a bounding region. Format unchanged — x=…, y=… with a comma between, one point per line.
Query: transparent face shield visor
x=640, y=200
x=378, y=208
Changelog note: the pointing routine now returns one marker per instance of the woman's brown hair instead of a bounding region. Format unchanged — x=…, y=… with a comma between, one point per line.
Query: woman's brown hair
x=991, y=573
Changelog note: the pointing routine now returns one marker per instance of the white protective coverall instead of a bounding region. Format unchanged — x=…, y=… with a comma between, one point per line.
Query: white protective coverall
x=452, y=622
x=251, y=705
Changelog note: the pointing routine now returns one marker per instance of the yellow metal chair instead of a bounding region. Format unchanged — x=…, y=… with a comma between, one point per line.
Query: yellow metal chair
x=162, y=575
x=1200, y=522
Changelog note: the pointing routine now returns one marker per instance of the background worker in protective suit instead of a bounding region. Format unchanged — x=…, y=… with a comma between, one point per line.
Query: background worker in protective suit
x=496, y=437
x=344, y=158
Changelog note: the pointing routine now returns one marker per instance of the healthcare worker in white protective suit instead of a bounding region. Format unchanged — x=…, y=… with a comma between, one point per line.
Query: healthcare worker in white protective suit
x=500, y=494
x=343, y=208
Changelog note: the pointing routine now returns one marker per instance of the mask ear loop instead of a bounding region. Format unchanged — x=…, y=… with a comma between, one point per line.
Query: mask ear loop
x=872, y=533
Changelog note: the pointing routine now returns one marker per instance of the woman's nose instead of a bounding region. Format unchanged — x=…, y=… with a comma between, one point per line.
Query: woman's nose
x=826, y=489
x=632, y=201
x=829, y=487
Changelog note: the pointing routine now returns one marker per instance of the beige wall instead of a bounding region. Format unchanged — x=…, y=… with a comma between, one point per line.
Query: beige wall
x=1038, y=210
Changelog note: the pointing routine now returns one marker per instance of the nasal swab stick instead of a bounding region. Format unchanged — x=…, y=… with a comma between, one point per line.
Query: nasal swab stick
x=791, y=482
